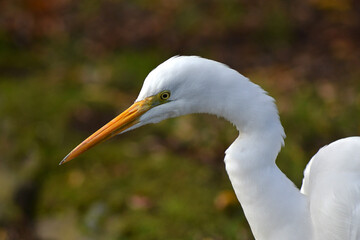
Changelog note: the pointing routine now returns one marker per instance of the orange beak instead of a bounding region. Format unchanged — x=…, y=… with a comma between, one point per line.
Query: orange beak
x=119, y=124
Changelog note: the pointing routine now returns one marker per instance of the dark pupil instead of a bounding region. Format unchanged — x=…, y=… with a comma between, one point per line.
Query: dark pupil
x=165, y=95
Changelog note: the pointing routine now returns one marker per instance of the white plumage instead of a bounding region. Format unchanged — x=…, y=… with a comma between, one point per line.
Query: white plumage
x=332, y=184
x=328, y=205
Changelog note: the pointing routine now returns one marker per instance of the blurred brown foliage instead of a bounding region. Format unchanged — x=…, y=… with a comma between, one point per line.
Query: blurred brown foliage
x=303, y=32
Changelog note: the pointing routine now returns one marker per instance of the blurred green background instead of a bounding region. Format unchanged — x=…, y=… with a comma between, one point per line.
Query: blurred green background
x=68, y=67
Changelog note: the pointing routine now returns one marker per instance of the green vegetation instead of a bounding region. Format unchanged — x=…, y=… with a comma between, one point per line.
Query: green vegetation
x=66, y=69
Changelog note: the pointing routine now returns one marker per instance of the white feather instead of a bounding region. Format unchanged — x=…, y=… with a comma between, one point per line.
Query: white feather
x=328, y=206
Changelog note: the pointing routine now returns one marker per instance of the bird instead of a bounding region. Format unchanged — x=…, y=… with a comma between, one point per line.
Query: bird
x=327, y=207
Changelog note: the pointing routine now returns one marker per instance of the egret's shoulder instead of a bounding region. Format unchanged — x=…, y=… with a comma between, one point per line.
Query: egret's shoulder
x=341, y=154
x=332, y=184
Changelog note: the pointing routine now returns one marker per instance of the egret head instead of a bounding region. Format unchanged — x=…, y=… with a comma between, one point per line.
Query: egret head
x=179, y=86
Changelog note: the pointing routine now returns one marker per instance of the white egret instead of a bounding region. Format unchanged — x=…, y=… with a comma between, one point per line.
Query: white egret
x=328, y=205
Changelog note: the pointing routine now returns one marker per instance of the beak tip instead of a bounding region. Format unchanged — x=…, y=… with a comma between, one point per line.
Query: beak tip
x=65, y=159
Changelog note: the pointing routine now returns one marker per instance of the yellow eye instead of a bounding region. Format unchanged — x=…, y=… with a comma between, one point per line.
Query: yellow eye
x=165, y=95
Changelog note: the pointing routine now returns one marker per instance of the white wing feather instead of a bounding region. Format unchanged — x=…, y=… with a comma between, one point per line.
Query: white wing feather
x=332, y=184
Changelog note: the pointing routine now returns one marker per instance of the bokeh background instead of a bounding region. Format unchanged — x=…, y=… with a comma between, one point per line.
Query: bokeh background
x=67, y=67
